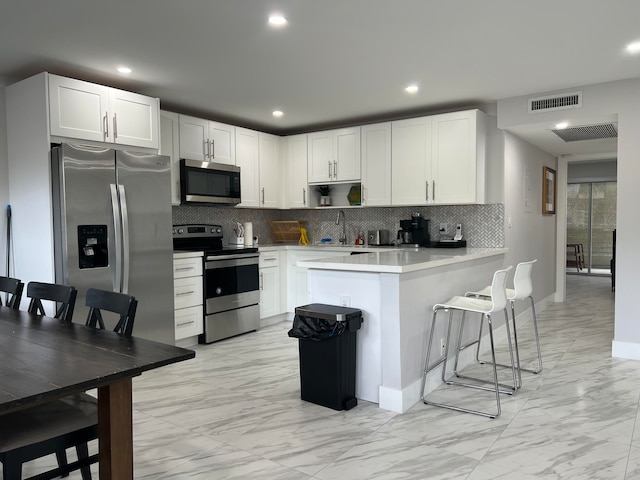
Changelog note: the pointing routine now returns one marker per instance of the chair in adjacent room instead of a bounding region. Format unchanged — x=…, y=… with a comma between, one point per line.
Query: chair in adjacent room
x=65, y=295
x=68, y=422
x=522, y=290
x=13, y=288
x=486, y=309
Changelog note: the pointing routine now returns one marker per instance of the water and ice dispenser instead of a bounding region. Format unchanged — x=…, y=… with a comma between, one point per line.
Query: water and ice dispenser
x=93, y=251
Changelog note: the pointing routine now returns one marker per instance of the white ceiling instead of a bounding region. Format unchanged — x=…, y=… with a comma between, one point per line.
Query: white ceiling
x=338, y=62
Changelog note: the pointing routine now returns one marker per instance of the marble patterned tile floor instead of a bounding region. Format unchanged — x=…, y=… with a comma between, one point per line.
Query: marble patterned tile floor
x=234, y=412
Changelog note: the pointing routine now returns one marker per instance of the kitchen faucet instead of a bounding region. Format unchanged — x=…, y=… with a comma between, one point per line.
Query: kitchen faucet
x=343, y=238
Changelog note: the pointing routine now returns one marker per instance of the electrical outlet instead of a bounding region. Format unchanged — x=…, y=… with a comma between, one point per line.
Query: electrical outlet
x=345, y=300
x=442, y=347
x=443, y=228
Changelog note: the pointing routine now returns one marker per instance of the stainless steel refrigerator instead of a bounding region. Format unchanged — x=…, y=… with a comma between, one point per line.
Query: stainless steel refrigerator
x=112, y=231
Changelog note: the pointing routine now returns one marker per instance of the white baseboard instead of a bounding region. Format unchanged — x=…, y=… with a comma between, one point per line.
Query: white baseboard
x=630, y=351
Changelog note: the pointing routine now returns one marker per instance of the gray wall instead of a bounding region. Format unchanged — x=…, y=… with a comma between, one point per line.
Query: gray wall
x=4, y=180
x=596, y=171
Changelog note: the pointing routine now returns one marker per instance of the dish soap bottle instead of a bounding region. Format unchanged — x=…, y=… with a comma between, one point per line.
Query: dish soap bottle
x=360, y=239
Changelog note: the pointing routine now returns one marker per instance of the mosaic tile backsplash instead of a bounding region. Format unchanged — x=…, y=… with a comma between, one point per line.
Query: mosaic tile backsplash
x=482, y=225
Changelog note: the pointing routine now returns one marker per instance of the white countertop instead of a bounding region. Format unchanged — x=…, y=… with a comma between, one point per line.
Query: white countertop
x=401, y=260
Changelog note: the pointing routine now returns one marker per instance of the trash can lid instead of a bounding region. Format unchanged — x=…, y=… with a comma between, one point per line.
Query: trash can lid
x=328, y=312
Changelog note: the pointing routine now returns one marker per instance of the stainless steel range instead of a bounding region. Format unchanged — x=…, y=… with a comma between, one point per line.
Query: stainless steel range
x=231, y=281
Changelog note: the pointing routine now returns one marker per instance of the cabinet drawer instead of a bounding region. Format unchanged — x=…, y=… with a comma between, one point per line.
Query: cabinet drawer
x=187, y=267
x=269, y=259
x=188, y=322
x=187, y=292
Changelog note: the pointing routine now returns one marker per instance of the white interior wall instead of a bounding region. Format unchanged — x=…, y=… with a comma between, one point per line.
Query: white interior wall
x=4, y=180
x=528, y=233
x=605, y=171
x=620, y=98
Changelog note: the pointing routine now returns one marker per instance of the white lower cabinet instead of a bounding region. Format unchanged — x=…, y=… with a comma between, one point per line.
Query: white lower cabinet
x=188, y=296
x=270, y=284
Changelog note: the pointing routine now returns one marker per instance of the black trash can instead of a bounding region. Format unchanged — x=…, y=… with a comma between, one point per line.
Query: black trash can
x=327, y=344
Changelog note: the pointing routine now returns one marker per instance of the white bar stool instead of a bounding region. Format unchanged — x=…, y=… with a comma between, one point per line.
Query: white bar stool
x=522, y=290
x=497, y=303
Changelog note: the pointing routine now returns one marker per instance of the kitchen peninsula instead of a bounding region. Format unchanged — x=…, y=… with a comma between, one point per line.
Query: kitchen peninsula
x=396, y=290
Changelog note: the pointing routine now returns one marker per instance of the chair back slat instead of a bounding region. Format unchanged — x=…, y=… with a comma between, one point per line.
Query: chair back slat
x=499, y=290
x=65, y=295
x=14, y=288
x=118, y=303
x=523, y=281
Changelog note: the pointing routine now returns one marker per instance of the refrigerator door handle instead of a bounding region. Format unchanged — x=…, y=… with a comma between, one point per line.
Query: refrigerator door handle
x=125, y=239
x=117, y=224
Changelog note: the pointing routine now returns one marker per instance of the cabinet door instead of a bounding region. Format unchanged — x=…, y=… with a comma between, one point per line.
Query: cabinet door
x=247, y=158
x=297, y=187
x=270, y=171
x=454, y=160
x=320, y=157
x=346, y=164
x=187, y=292
x=194, y=138
x=223, y=143
x=411, y=161
x=376, y=164
x=169, y=139
x=269, y=292
x=79, y=109
x=134, y=119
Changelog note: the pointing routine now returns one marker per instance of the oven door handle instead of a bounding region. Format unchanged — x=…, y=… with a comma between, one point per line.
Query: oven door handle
x=230, y=262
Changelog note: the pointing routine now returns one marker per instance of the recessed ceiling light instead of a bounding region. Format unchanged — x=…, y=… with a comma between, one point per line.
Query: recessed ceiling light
x=411, y=89
x=277, y=20
x=633, y=47
x=278, y=113
x=561, y=125
x=124, y=69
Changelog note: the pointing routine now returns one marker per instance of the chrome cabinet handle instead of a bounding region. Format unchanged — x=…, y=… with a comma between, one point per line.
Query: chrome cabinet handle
x=213, y=149
x=362, y=196
x=115, y=127
x=190, y=292
x=181, y=269
x=261, y=281
x=433, y=190
x=427, y=184
x=329, y=169
x=262, y=195
x=335, y=169
x=206, y=148
x=105, y=124
x=304, y=196
x=182, y=324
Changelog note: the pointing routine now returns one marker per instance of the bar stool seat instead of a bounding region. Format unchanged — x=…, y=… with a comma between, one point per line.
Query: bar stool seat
x=486, y=308
x=523, y=290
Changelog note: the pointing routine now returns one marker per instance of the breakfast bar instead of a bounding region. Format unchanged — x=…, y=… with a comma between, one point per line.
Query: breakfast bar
x=396, y=290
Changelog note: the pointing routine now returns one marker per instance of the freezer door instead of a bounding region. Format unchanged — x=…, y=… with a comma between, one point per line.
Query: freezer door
x=85, y=243
x=144, y=188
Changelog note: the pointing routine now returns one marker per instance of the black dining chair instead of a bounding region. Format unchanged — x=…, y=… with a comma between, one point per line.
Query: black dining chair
x=68, y=422
x=65, y=295
x=13, y=287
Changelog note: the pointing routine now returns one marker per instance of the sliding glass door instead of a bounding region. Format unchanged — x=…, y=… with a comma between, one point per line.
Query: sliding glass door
x=591, y=219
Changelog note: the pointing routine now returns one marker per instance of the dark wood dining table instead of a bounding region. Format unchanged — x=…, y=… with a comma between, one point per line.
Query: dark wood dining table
x=42, y=359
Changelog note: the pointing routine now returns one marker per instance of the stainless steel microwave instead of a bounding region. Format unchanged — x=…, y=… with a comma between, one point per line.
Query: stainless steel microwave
x=208, y=182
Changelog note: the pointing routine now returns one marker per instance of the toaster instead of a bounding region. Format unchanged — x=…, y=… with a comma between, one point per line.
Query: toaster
x=378, y=237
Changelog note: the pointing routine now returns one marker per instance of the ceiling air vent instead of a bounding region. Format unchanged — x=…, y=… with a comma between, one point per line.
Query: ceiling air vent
x=550, y=103
x=587, y=132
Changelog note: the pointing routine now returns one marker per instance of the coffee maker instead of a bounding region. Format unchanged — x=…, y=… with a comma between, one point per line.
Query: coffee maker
x=415, y=231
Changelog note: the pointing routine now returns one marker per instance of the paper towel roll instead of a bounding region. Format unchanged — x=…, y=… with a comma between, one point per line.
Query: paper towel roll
x=248, y=234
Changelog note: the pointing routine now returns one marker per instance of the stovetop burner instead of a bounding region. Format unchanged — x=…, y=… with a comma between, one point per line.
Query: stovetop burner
x=207, y=238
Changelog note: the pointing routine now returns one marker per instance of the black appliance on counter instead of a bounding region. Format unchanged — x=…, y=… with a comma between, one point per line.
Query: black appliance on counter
x=231, y=281
x=415, y=231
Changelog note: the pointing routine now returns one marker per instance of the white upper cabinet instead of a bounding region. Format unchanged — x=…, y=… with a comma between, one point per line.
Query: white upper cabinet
x=87, y=111
x=271, y=171
x=247, y=158
x=297, y=195
x=458, y=157
x=169, y=146
x=411, y=161
x=334, y=155
x=376, y=164
x=439, y=159
x=207, y=141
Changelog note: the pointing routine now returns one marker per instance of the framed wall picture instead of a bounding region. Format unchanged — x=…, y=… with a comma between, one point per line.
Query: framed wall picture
x=548, y=191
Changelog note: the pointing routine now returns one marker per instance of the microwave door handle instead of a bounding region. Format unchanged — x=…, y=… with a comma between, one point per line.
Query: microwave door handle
x=117, y=224
x=125, y=240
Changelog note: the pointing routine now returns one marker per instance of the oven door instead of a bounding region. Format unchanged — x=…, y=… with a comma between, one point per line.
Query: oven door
x=231, y=281
x=208, y=182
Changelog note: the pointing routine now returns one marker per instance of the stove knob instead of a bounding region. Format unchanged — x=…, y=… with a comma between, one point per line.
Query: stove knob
x=218, y=230
x=180, y=230
x=218, y=291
